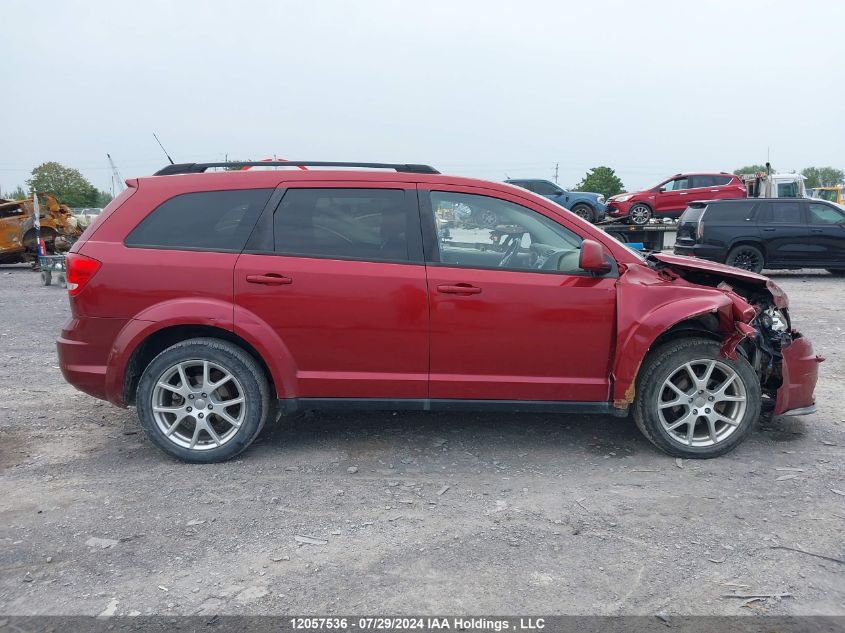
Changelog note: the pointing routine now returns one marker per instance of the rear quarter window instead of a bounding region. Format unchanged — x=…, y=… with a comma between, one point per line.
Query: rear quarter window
x=205, y=220
x=738, y=211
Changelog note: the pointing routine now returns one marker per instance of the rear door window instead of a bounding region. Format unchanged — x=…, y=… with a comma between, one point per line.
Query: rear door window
x=783, y=213
x=368, y=224
x=205, y=220
x=703, y=181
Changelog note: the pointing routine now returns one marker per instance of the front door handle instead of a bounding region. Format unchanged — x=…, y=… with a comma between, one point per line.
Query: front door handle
x=269, y=279
x=459, y=289
x=816, y=230
x=769, y=230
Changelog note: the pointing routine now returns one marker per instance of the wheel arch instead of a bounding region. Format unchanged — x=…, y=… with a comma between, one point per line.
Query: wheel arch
x=697, y=315
x=159, y=340
x=748, y=241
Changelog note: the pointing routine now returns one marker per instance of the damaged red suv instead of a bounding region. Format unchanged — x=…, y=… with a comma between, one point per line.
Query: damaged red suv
x=214, y=301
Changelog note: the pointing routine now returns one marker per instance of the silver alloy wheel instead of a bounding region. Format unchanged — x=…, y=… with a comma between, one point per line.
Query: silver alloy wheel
x=639, y=214
x=702, y=403
x=198, y=404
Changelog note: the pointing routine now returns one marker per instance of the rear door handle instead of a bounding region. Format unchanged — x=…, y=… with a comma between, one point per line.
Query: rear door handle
x=459, y=289
x=768, y=230
x=269, y=279
x=816, y=230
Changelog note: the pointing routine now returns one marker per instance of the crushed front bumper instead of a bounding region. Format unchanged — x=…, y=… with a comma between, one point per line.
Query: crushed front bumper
x=800, y=371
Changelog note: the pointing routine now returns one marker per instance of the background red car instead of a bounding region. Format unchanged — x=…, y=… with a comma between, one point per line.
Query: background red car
x=670, y=197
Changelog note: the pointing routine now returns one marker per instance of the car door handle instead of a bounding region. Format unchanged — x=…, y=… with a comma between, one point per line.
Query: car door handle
x=816, y=230
x=459, y=289
x=770, y=230
x=269, y=279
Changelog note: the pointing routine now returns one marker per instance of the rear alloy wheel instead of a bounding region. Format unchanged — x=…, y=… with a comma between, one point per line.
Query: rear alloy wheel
x=203, y=400
x=746, y=257
x=583, y=211
x=694, y=403
x=639, y=214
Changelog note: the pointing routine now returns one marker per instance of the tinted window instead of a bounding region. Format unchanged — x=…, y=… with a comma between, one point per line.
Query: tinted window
x=208, y=220
x=485, y=232
x=784, y=213
x=729, y=211
x=692, y=214
x=823, y=214
x=368, y=224
x=703, y=181
x=722, y=180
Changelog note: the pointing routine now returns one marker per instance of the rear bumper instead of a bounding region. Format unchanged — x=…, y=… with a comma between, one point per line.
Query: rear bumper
x=800, y=372
x=83, y=349
x=701, y=251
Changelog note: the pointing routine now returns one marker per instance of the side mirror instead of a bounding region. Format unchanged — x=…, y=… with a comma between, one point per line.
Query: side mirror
x=592, y=258
x=661, y=190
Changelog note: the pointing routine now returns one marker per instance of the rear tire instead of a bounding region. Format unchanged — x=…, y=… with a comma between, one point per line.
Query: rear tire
x=715, y=411
x=639, y=214
x=746, y=257
x=584, y=211
x=179, y=390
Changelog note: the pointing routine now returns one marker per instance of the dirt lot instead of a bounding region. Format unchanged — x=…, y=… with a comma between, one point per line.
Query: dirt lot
x=446, y=513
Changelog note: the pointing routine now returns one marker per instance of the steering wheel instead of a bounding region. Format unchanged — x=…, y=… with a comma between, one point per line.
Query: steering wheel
x=511, y=251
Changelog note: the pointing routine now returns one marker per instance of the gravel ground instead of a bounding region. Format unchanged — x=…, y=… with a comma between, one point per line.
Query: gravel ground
x=411, y=512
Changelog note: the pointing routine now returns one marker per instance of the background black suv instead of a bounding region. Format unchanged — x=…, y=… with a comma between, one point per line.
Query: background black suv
x=765, y=233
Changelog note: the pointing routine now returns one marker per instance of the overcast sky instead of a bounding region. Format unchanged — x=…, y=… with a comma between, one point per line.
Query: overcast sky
x=480, y=88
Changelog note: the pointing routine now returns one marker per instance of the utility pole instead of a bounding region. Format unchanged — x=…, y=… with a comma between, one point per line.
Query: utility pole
x=556, y=167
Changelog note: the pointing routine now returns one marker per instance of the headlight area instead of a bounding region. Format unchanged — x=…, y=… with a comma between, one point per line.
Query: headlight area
x=774, y=334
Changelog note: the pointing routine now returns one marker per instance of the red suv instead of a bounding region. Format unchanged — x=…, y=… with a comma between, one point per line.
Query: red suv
x=214, y=302
x=671, y=197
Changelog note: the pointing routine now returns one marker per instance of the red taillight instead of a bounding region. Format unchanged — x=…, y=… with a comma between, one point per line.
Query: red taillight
x=79, y=270
x=699, y=231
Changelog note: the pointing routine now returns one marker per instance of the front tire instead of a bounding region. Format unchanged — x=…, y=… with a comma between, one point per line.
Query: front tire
x=639, y=214
x=746, y=257
x=203, y=400
x=584, y=211
x=692, y=402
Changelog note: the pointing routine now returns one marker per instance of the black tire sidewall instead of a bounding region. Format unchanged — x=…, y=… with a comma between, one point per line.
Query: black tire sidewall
x=737, y=249
x=588, y=215
x=657, y=368
x=236, y=361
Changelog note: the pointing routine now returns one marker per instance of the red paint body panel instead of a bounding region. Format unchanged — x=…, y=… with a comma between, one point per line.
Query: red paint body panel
x=352, y=329
x=800, y=373
x=525, y=336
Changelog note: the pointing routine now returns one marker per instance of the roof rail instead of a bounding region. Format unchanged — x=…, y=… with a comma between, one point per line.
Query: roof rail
x=198, y=168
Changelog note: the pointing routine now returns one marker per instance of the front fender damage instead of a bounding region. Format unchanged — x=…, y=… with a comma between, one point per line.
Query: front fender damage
x=749, y=314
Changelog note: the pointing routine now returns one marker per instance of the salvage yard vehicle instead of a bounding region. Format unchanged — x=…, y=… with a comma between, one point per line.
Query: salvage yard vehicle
x=763, y=233
x=17, y=231
x=213, y=301
x=669, y=198
x=589, y=206
x=831, y=194
x=775, y=185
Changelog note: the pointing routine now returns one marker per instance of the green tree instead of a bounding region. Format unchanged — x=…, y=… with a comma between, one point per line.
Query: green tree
x=68, y=185
x=601, y=180
x=822, y=176
x=750, y=169
x=15, y=194
x=103, y=198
